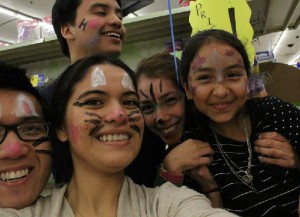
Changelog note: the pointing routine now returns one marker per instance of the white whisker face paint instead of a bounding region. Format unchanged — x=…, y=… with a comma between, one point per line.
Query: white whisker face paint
x=127, y=82
x=98, y=78
x=24, y=107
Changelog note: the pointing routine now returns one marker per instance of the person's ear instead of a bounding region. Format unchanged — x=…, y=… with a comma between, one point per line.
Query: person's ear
x=67, y=31
x=188, y=90
x=61, y=134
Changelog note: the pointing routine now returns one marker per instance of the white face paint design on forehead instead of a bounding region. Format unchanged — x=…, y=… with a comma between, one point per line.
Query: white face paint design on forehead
x=98, y=77
x=218, y=61
x=127, y=82
x=24, y=107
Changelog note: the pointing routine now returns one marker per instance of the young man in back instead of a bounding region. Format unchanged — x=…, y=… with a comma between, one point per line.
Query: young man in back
x=87, y=27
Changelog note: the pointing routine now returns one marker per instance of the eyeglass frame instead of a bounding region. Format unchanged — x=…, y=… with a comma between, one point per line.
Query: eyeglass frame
x=14, y=127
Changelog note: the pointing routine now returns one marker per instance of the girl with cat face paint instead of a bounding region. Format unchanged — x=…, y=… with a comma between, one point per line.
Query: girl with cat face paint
x=99, y=129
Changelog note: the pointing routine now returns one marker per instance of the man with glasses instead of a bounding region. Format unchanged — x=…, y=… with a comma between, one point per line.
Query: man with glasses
x=25, y=149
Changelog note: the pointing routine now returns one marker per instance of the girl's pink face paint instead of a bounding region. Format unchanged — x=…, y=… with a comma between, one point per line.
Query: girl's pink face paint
x=74, y=133
x=94, y=23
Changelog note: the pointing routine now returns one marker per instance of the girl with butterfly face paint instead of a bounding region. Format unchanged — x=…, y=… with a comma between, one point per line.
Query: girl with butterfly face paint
x=97, y=120
x=256, y=141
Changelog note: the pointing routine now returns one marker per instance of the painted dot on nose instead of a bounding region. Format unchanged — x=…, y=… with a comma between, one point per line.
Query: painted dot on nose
x=14, y=149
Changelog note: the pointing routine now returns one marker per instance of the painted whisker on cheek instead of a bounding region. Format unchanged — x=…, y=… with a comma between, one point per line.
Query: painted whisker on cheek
x=95, y=130
x=136, y=118
x=40, y=141
x=83, y=24
x=98, y=121
x=44, y=152
x=93, y=121
x=136, y=128
x=93, y=115
x=144, y=95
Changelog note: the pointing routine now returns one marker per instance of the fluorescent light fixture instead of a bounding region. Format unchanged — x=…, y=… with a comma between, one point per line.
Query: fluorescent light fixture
x=131, y=15
x=23, y=17
x=13, y=13
x=282, y=35
x=7, y=12
x=294, y=59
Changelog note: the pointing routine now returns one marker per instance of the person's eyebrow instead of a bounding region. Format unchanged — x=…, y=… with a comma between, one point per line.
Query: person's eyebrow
x=129, y=93
x=235, y=66
x=105, y=6
x=203, y=69
x=166, y=95
x=25, y=119
x=86, y=93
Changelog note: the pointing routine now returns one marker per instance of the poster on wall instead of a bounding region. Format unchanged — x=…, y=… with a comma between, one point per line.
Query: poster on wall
x=37, y=80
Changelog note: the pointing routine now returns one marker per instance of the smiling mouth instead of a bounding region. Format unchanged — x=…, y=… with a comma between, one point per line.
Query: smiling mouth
x=113, y=34
x=114, y=137
x=221, y=105
x=14, y=175
x=168, y=130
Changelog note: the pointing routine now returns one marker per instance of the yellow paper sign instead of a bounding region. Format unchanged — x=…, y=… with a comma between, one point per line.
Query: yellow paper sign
x=34, y=79
x=230, y=15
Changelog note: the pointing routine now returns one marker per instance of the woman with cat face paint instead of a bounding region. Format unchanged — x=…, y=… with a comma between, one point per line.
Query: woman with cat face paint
x=169, y=115
x=255, y=141
x=99, y=125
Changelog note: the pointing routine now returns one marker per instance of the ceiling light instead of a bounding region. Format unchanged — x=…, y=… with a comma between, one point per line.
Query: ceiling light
x=282, y=35
x=18, y=15
x=295, y=59
x=7, y=12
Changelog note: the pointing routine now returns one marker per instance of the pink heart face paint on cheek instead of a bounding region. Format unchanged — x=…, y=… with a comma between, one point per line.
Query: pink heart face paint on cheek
x=94, y=24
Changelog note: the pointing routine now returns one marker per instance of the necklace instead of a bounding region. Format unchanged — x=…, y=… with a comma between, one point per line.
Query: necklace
x=243, y=175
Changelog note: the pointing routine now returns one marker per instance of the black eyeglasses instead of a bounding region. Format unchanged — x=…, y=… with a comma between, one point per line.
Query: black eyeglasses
x=30, y=131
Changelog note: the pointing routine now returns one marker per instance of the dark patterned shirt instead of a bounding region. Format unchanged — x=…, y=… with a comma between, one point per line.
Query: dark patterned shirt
x=274, y=190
